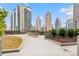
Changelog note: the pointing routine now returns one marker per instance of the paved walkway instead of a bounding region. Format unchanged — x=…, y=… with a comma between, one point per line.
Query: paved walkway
x=41, y=47
x=78, y=45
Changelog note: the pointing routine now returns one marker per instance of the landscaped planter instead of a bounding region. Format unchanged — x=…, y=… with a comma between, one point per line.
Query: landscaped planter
x=13, y=50
x=11, y=44
x=62, y=36
x=33, y=34
x=47, y=35
x=64, y=41
x=64, y=44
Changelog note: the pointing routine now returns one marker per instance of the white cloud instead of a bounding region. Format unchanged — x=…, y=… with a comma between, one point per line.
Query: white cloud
x=68, y=12
x=64, y=10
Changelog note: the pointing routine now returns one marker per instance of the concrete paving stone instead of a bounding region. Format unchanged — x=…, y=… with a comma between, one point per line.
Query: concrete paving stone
x=41, y=47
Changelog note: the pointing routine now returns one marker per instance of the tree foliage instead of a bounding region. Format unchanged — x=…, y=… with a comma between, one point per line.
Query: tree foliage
x=62, y=32
x=70, y=32
x=3, y=14
x=53, y=32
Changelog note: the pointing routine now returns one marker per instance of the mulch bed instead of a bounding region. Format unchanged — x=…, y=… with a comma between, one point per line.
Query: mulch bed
x=64, y=39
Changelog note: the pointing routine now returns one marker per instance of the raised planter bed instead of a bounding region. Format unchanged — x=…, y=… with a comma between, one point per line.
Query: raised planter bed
x=11, y=44
x=63, y=41
x=64, y=44
x=47, y=35
x=33, y=34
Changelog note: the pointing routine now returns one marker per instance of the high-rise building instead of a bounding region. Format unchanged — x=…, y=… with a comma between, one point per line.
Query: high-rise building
x=76, y=22
x=21, y=19
x=32, y=28
x=76, y=15
x=42, y=28
x=58, y=23
x=38, y=24
x=69, y=19
x=70, y=24
x=48, y=22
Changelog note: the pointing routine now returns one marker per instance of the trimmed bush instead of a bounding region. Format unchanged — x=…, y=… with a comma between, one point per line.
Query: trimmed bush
x=62, y=32
x=70, y=32
x=76, y=32
x=53, y=32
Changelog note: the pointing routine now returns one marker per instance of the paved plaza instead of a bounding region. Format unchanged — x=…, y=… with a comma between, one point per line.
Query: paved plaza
x=78, y=45
x=42, y=47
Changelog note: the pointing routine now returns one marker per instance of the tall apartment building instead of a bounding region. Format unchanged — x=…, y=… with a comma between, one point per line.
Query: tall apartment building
x=76, y=15
x=21, y=19
x=70, y=24
x=76, y=22
x=38, y=24
x=32, y=28
x=58, y=23
x=48, y=22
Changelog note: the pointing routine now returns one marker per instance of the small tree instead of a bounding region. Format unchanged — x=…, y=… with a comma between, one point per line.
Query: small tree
x=53, y=32
x=3, y=14
x=62, y=32
x=70, y=32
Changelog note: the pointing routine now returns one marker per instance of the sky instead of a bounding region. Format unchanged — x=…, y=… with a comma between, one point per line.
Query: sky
x=62, y=10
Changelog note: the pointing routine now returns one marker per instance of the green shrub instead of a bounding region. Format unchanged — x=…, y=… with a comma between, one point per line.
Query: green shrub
x=53, y=32
x=70, y=32
x=76, y=32
x=62, y=32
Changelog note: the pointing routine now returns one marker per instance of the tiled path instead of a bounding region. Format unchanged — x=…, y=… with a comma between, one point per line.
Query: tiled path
x=42, y=47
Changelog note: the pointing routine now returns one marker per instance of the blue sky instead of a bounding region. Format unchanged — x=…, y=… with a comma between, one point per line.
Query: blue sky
x=39, y=9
